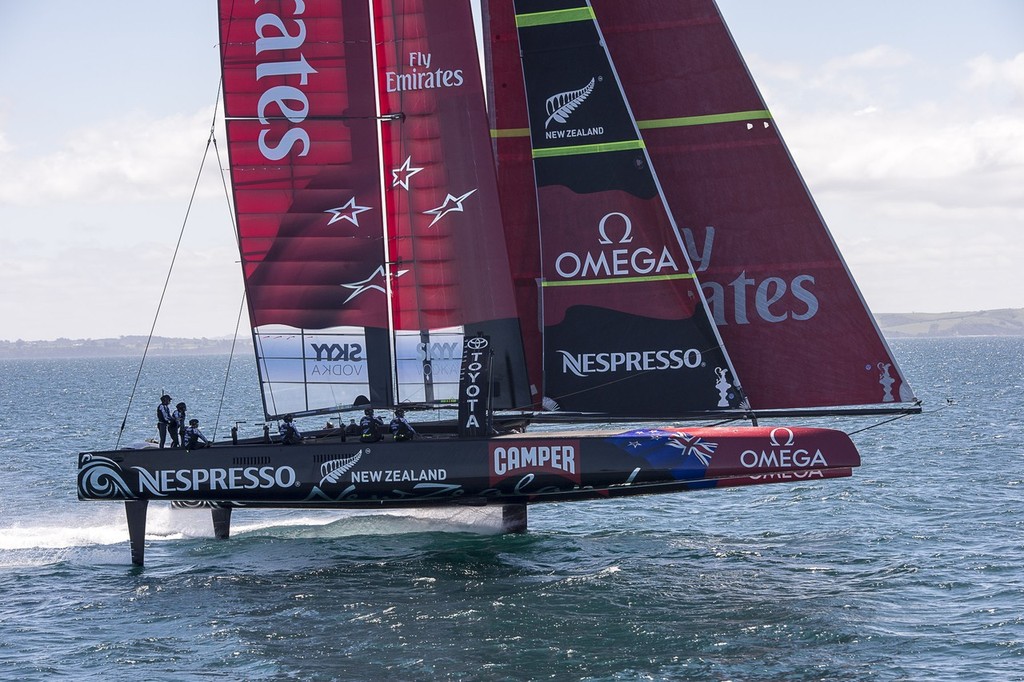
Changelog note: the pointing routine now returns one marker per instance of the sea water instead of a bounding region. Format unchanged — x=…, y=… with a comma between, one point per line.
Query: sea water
x=909, y=570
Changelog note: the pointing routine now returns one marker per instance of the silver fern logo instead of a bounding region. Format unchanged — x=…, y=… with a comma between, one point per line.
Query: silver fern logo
x=561, y=106
x=333, y=470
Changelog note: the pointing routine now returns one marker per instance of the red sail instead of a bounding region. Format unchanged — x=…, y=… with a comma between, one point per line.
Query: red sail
x=444, y=221
x=510, y=130
x=445, y=242
x=796, y=328
x=301, y=118
x=305, y=168
x=788, y=310
x=368, y=217
x=625, y=329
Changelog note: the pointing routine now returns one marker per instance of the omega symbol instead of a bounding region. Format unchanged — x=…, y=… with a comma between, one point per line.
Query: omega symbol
x=627, y=234
x=790, y=439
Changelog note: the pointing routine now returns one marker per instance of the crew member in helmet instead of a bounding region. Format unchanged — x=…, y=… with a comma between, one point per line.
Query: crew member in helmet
x=371, y=427
x=163, y=421
x=194, y=438
x=289, y=433
x=401, y=429
x=352, y=429
x=180, y=424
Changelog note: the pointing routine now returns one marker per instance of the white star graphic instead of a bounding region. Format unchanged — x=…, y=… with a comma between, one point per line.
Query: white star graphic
x=347, y=212
x=400, y=176
x=450, y=204
x=634, y=444
x=367, y=284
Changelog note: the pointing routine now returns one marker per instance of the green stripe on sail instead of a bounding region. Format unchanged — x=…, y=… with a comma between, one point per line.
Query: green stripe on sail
x=615, y=280
x=559, y=16
x=680, y=122
x=588, y=149
x=510, y=132
x=704, y=120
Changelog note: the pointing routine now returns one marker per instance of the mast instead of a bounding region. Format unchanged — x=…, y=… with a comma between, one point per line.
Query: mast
x=389, y=274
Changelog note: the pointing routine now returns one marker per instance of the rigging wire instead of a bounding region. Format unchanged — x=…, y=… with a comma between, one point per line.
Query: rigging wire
x=949, y=403
x=227, y=371
x=241, y=306
x=174, y=257
x=163, y=293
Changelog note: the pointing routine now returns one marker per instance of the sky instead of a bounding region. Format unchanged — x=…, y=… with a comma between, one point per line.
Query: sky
x=905, y=117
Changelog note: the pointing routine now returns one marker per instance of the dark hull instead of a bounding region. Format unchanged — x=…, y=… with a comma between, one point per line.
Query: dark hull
x=516, y=469
x=510, y=471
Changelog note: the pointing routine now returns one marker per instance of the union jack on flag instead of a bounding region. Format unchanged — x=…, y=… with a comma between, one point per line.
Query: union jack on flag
x=694, y=445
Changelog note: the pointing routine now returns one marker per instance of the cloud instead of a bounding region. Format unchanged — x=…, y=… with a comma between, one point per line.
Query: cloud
x=133, y=157
x=917, y=171
x=879, y=57
x=852, y=77
x=988, y=74
x=919, y=144
x=76, y=292
x=867, y=134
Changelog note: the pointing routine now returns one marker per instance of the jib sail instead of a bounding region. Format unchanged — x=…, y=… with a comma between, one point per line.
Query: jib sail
x=784, y=301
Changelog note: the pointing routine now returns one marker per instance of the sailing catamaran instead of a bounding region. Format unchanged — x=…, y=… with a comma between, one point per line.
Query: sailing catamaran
x=621, y=236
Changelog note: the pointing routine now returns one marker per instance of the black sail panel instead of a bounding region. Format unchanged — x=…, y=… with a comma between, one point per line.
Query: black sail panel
x=626, y=330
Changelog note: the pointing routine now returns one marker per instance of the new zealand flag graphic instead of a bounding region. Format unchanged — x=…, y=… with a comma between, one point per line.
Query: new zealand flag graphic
x=686, y=456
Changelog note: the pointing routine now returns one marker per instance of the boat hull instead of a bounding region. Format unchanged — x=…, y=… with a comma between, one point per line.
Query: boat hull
x=511, y=469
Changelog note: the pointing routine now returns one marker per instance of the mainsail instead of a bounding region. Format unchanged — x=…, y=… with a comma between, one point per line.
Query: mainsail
x=367, y=208
x=790, y=315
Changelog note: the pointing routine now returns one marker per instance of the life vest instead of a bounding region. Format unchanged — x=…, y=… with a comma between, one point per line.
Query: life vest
x=192, y=440
x=401, y=429
x=289, y=434
x=371, y=432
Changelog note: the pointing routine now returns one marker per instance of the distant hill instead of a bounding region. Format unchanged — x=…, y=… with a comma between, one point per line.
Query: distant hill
x=124, y=346
x=1005, y=322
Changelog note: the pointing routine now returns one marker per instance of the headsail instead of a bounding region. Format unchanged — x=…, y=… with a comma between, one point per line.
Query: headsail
x=626, y=331
x=370, y=240
x=785, y=303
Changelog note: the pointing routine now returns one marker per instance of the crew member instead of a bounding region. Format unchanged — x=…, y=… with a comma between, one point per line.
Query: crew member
x=371, y=427
x=179, y=423
x=194, y=438
x=163, y=421
x=401, y=429
x=289, y=433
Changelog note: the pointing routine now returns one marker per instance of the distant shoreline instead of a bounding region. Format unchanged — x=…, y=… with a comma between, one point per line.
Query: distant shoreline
x=1002, y=322
x=124, y=346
